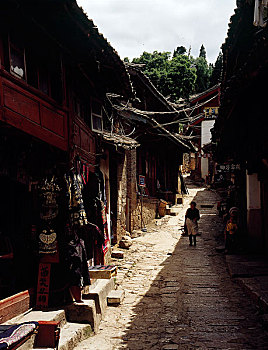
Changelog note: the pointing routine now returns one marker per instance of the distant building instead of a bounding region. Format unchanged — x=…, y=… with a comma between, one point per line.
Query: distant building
x=204, y=109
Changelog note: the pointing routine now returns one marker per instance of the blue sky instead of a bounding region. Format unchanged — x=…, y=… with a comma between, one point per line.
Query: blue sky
x=134, y=26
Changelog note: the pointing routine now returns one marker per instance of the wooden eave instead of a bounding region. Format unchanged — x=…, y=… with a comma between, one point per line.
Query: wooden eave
x=67, y=25
x=204, y=95
x=133, y=71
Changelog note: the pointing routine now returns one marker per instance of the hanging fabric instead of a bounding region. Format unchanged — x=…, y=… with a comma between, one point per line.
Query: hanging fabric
x=76, y=254
x=75, y=200
x=105, y=245
x=260, y=12
x=49, y=209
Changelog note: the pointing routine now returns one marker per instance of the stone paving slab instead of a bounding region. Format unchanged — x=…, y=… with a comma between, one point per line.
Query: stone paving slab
x=246, y=265
x=251, y=272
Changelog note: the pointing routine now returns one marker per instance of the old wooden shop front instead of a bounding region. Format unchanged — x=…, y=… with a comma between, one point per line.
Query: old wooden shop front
x=55, y=69
x=241, y=129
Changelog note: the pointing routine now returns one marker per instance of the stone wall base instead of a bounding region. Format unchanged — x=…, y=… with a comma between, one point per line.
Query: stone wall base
x=149, y=211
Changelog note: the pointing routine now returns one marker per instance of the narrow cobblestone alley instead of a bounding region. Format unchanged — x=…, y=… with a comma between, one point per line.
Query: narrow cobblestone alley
x=177, y=296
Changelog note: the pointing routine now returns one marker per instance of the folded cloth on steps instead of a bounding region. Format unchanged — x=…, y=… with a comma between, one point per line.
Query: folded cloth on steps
x=12, y=334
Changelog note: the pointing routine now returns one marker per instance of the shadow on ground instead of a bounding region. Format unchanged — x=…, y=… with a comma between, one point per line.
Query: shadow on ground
x=192, y=303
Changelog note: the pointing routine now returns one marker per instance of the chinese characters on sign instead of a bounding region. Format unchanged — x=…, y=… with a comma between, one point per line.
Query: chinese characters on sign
x=43, y=285
x=223, y=171
x=211, y=112
x=228, y=167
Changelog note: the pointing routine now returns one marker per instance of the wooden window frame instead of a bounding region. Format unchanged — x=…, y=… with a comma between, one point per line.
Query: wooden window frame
x=23, y=51
x=11, y=46
x=95, y=115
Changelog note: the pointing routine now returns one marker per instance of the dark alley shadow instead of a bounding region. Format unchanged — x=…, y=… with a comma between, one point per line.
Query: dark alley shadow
x=192, y=303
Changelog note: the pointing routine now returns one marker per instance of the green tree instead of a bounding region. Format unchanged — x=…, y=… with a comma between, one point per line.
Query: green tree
x=181, y=77
x=155, y=67
x=174, y=77
x=202, y=52
x=180, y=50
x=203, y=71
x=216, y=73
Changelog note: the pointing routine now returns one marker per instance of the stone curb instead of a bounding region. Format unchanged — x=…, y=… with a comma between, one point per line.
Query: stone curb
x=249, y=283
x=252, y=289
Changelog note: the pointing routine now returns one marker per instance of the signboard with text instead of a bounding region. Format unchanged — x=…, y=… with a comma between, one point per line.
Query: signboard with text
x=142, y=181
x=211, y=112
x=43, y=286
x=224, y=171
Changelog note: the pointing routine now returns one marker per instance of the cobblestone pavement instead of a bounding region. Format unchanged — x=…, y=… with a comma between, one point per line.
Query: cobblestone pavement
x=177, y=296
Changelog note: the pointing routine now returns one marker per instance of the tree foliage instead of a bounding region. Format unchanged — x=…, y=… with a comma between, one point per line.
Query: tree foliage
x=216, y=74
x=202, y=52
x=173, y=76
x=180, y=50
x=180, y=75
x=203, y=72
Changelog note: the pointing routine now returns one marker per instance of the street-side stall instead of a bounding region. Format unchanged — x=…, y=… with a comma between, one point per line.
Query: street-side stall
x=54, y=217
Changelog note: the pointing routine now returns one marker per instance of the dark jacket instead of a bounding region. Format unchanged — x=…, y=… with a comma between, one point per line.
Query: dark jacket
x=192, y=214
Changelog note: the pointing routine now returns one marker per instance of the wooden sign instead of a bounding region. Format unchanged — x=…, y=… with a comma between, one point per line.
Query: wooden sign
x=43, y=285
x=211, y=112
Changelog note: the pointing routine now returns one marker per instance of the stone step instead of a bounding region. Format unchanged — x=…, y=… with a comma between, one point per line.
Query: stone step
x=71, y=335
x=99, y=293
x=84, y=313
x=117, y=254
x=77, y=321
x=115, y=297
x=174, y=211
x=54, y=315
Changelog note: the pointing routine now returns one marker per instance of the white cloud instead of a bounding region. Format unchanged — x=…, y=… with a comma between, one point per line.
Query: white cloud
x=134, y=26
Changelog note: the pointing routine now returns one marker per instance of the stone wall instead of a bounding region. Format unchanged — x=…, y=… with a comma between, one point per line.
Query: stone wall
x=133, y=214
x=131, y=187
x=122, y=195
x=149, y=209
x=128, y=205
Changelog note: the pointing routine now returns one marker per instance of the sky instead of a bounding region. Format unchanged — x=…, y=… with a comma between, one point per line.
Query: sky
x=135, y=26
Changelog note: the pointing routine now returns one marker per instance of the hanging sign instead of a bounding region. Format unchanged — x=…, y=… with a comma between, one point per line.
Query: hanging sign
x=211, y=112
x=43, y=286
x=142, y=181
x=227, y=167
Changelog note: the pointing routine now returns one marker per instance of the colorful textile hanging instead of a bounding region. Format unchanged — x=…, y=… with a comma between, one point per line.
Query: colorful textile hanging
x=49, y=209
x=75, y=200
x=105, y=246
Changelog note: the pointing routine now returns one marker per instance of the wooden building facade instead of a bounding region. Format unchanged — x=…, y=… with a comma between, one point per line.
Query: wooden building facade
x=55, y=71
x=241, y=129
x=159, y=151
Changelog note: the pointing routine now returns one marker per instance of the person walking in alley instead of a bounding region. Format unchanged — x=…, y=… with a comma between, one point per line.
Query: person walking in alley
x=191, y=217
x=231, y=230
